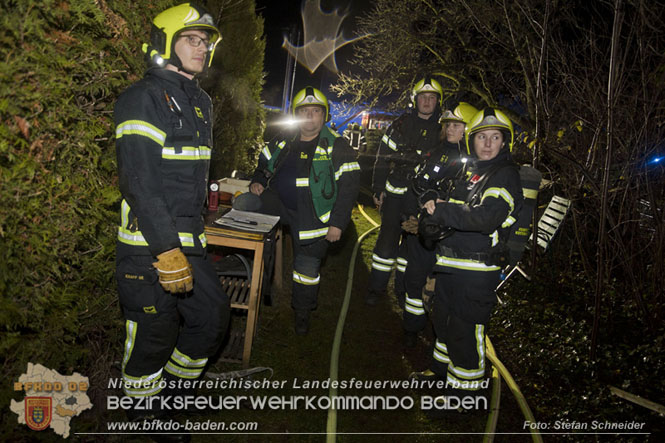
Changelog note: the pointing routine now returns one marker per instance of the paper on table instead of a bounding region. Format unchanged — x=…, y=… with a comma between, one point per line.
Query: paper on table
x=247, y=221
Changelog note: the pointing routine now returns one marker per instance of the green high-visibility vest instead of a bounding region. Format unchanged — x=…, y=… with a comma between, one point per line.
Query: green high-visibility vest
x=321, y=180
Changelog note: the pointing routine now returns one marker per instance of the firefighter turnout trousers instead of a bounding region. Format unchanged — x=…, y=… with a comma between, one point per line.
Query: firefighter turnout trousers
x=306, y=258
x=306, y=263
x=306, y=278
x=168, y=336
x=420, y=265
x=388, y=251
x=462, y=305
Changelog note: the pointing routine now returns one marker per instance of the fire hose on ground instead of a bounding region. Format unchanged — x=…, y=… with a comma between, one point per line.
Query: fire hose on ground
x=498, y=369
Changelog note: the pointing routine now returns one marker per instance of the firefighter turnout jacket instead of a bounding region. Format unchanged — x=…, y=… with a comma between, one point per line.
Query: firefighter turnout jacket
x=400, y=151
x=467, y=273
x=327, y=181
x=434, y=176
x=163, y=142
x=403, y=147
x=163, y=146
x=433, y=180
x=478, y=226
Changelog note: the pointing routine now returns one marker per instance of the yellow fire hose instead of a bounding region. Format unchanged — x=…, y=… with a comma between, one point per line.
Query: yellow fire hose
x=370, y=219
x=495, y=401
x=498, y=369
x=331, y=427
x=524, y=406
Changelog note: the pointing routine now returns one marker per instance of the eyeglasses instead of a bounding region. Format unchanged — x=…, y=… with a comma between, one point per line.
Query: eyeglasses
x=194, y=41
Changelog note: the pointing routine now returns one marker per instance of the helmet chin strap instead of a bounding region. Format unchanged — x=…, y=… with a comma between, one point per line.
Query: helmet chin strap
x=175, y=61
x=188, y=72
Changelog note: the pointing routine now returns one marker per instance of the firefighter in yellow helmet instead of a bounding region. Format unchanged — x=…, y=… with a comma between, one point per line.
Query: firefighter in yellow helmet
x=183, y=23
x=469, y=256
x=453, y=124
x=409, y=138
x=310, y=179
x=176, y=312
x=433, y=180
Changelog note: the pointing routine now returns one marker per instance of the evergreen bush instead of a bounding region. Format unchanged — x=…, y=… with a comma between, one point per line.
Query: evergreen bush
x=63, y=65
x=235, y=83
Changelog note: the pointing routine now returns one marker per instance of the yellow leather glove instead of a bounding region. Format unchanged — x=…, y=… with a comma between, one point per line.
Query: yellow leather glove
x=410, y=225
x=175, y=272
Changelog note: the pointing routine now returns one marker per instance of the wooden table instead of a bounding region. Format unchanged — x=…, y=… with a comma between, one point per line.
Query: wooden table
x=243, y=294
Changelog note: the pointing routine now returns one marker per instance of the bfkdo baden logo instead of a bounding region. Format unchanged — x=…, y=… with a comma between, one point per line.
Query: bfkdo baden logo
x=51, y=399
x=38, y=412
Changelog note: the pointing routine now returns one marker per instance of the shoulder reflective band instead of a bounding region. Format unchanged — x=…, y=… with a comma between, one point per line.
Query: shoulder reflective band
x=500, y=193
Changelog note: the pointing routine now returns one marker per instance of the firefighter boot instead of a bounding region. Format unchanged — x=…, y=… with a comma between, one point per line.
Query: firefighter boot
x=410, y=339
x=374, y=296
x=302, y=322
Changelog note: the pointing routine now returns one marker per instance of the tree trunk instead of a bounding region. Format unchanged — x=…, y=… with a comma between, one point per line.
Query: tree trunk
x=602, y=236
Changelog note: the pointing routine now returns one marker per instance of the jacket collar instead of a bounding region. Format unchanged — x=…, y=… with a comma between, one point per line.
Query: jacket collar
x=480, y=166
x=190, y=87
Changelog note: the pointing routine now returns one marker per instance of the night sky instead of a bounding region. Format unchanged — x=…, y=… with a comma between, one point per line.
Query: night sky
x=280, y=17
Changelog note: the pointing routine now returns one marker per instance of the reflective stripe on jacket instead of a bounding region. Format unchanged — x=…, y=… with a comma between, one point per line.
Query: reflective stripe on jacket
x=163, y=148
x=327, y=182
x=478, y=225
x=407, y=139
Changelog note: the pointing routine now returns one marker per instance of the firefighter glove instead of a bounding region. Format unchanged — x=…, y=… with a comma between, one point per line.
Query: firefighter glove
x=175, y=272
x=410, y=225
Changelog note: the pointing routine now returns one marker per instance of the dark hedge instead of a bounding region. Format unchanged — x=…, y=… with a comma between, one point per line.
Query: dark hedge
x=63, y=64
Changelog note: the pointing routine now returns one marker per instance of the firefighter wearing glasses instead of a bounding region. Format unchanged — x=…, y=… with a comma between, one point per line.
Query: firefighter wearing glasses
x=310, y=179
x=407, y=140
x=481, y=208
x=175, y=309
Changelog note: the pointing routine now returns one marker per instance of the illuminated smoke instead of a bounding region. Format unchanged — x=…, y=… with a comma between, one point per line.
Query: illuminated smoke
x=322, y=37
